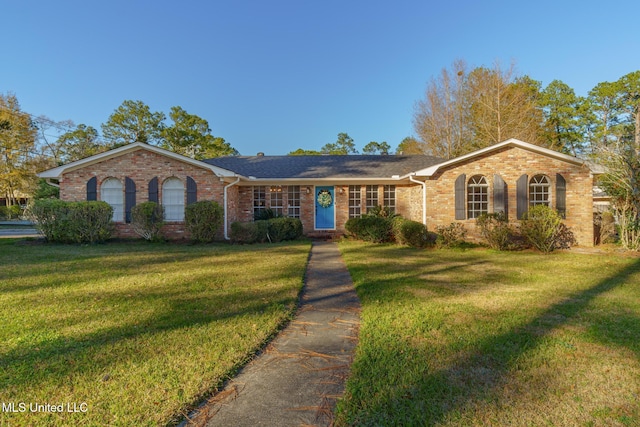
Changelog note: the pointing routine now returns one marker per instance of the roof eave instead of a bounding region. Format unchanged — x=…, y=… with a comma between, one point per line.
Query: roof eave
x=432, y=170
x=56, y=173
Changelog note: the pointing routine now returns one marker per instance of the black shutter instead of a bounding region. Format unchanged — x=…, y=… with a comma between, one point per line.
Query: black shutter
x=153, y=190
x=192, y=191
x=499, y=195
x=130, y=197
x=460, y=185
x=561, y=195
x=522, y=195
x=92, y=189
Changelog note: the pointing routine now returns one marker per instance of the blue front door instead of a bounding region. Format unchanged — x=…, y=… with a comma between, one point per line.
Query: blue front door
x=325, y=211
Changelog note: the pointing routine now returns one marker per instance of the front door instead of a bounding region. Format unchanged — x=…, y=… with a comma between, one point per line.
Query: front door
x=325, y=208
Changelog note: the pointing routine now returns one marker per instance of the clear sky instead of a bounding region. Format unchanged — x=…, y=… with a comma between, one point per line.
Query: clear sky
x=276, y=75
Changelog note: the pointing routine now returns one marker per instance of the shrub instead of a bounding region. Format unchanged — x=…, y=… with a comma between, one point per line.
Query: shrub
x=203, y=219
x=451, y=236
x=381, y=211
x=249, y=232
x=264, y=214
x=410, y=233
x=147, y=219
x=72, y=222
x=542, y=228
x=284, y=228
x=495, y=230
x=370, y=228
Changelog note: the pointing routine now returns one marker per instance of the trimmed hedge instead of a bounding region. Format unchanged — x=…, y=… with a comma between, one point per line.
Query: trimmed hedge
x=410, y=233
x=72, y=222
x=203, y=219
x=271, y=230
x=375, y=229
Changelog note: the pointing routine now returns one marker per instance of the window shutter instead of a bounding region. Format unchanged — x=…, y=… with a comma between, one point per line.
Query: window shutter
x=499, y=195
x=153, y=190
x=192, y=191
x=522, y=195
x=92, y=189
x=130, y=197
x=561, y=195
x=460, y=202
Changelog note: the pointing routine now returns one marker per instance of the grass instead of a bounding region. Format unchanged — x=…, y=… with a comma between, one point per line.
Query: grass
x=138, y=332
x=479, y=337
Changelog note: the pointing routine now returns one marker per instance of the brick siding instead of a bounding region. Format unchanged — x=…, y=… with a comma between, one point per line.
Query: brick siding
x=141, y=166
x=510, y=163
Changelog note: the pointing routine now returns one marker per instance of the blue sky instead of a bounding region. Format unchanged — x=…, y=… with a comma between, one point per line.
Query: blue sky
x=274, y=76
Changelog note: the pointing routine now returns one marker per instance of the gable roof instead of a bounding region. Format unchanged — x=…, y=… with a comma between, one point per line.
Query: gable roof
x=324, y=166
x=431, y=170
x=56, y=173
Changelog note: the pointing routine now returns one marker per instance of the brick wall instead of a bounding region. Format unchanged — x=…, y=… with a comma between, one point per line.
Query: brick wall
x=510, y=163
x=141, y=166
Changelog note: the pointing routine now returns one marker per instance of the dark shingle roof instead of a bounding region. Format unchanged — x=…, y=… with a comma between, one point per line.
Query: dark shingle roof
x=314, y=167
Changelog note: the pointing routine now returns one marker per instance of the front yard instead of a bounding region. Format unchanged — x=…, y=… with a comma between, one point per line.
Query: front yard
x=477, y=338
x=133, y=334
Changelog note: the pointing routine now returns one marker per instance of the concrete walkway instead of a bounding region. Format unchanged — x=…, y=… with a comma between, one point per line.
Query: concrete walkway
x=300, y=375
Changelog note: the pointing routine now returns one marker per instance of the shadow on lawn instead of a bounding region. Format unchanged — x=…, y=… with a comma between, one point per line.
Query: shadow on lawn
x=480, y=375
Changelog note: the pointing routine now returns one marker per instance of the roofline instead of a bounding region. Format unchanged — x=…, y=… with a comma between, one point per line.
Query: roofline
x=57, y=172
x=431, y=170
x=315, y=181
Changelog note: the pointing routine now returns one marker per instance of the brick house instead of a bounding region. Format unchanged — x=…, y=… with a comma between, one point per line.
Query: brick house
x=325, y=191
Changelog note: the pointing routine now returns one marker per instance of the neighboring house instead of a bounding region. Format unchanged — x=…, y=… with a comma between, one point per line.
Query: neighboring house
x=325, y=191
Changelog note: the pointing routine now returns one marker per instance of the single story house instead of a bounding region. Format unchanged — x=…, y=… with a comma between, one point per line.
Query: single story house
x=325, y=191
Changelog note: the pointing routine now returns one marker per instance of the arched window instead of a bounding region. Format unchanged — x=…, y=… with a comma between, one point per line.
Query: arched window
x=539, y=190
x=477, y=196
x=111, y=192
x=173, y=199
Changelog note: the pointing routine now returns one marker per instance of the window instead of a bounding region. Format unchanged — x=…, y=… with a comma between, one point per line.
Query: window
x=372, y=197
x=477, y=196
x=111, y=192
x=293, y=201
x=259, y=199
x=173, y=199
x=355, y=201
x=389, y=199
x=277, y=202
x=539, y=190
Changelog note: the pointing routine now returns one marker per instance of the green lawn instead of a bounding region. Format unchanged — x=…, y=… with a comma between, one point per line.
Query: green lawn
x=137, y=332
x=478, y=337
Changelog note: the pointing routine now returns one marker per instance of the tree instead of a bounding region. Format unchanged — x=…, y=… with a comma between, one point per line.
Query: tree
x=618, y=150
x=191, y=136
x=80, y=143
x=563, y=118
x=343, y=145
x=606, y=106
x=441, y=119
x=133, y=121
x=376, y=148
x=503, y=107
x=17, y=143
x=410, y=145
x=303, y=152
x=49, y=139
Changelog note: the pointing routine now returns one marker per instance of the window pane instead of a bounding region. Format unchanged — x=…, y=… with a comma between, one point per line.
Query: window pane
x=293, y=201
x=477, y=196
x=111, y=192
x=355, y=201
x=173, y=199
